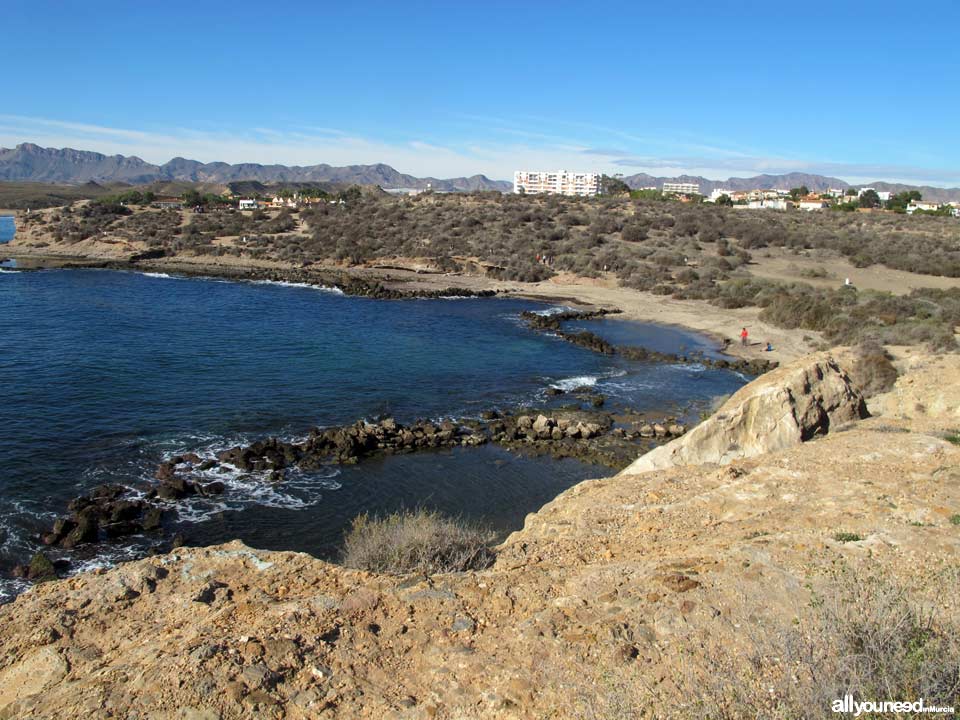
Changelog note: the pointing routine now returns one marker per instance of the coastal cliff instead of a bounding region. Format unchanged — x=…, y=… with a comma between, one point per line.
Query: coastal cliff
x=613, y=600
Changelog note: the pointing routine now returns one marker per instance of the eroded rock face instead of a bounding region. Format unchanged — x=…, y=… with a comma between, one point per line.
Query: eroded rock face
x=782, y=408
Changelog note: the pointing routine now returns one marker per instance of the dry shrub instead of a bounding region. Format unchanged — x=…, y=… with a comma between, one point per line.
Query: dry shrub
x=866, y=638
x=422, y=541
x=871, y=370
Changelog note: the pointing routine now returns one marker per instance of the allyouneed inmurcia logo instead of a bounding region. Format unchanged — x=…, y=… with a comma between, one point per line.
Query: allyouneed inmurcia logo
x=857, y=708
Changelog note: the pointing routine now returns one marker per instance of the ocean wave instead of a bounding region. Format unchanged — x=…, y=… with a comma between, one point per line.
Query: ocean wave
x=572, y=383
x=554, y=310
x=7, y=271
x=309, y=286
x=11, y=587
x=163, y=276
x=298, y=490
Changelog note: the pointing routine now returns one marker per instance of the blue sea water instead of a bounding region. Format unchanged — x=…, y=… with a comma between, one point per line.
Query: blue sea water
x=7, y=228
x=103, y=374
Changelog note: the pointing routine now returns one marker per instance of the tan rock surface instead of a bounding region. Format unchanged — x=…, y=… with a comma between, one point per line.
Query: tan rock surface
x=610, y=580
x=782, y=408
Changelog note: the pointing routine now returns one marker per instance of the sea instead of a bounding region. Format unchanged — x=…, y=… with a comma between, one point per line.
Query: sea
x=104, y=374
x=8, y=228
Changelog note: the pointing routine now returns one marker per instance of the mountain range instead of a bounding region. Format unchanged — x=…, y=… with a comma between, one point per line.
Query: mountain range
x=31, y=163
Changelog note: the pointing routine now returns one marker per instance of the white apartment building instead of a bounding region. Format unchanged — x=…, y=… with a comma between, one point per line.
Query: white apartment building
x=561, y=182
x=769, y=204
x=884, y=195
x=719, y=193
x=681, y=188
x=922, y=205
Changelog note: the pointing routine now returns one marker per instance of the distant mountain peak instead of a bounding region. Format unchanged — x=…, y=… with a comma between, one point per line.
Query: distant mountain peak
x=28, y=162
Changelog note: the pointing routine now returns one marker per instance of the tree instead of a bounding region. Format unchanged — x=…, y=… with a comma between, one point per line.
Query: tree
x=898, y=203
x=725, y=200
x=191, y=198
x=851, y=192
x=799, y=192
x=613, y=186
x=870, y=199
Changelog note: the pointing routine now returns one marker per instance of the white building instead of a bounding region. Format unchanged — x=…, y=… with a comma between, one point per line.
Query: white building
x=247, y=204
x=769, y=204
x=561, y=182
x=681, y=188
x=812, y=204
x=719, y=193
x=921, y=205
x=884, y=195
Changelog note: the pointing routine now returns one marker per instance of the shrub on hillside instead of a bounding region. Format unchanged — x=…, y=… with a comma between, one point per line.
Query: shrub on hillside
x=421, y=541
x=871, y=370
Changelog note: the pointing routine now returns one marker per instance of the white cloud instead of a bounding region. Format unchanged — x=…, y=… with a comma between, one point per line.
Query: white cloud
x=310, y=145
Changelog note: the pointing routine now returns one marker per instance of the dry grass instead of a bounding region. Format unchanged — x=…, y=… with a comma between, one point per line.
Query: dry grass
x=865, y=637
x=420, y=541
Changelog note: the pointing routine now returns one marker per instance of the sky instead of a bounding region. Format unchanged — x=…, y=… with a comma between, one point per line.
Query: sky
x=857, y=90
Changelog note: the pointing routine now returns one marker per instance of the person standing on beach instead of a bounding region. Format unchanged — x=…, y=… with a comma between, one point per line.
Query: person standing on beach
x=743, y=337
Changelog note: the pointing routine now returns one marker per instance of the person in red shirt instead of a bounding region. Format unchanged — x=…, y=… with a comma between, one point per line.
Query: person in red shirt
x=743, y=337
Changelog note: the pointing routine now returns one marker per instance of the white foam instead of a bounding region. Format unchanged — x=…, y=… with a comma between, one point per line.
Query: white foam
x=555, y=310
x=5, y=271
x=572, y=383
x=309, y=286
x=11, y=587
x=161, y=275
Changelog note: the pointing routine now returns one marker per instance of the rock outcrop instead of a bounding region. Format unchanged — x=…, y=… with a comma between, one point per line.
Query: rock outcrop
x=784, y=407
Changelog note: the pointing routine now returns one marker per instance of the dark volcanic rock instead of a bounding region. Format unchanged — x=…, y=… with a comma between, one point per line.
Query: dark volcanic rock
x=85, y=531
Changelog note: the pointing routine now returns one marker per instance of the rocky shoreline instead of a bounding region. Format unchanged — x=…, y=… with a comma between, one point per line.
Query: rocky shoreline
x=553, y=323
x=344, y=281
x=581, y=431
x=112, y=512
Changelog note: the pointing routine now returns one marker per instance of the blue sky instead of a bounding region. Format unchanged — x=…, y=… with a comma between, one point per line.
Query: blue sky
x=859, y=90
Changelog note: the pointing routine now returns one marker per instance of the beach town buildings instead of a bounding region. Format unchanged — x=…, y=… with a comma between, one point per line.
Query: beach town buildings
x=925, y=205
x=812, y=202
x=769, y=204
x=247, y=204
x=884, y=195
x=560, y=182
x=681, y=188
x=166, y=202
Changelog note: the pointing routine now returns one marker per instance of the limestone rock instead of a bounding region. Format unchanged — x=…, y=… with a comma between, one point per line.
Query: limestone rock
x=787, y=406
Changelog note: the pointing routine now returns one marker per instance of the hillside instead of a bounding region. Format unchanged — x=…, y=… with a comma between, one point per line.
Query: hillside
x=30, y=163
x=764, y=587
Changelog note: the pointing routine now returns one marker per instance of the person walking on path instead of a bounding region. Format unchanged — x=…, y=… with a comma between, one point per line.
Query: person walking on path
x=743, y=337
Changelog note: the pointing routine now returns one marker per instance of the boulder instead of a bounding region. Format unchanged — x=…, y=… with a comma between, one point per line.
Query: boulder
x=786, y=406
x=85, y=531
x=152, y=518
x=40, y=568
x=542, y=424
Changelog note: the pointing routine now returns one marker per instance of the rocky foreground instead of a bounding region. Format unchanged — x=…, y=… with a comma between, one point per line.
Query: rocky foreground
x=606, y=604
